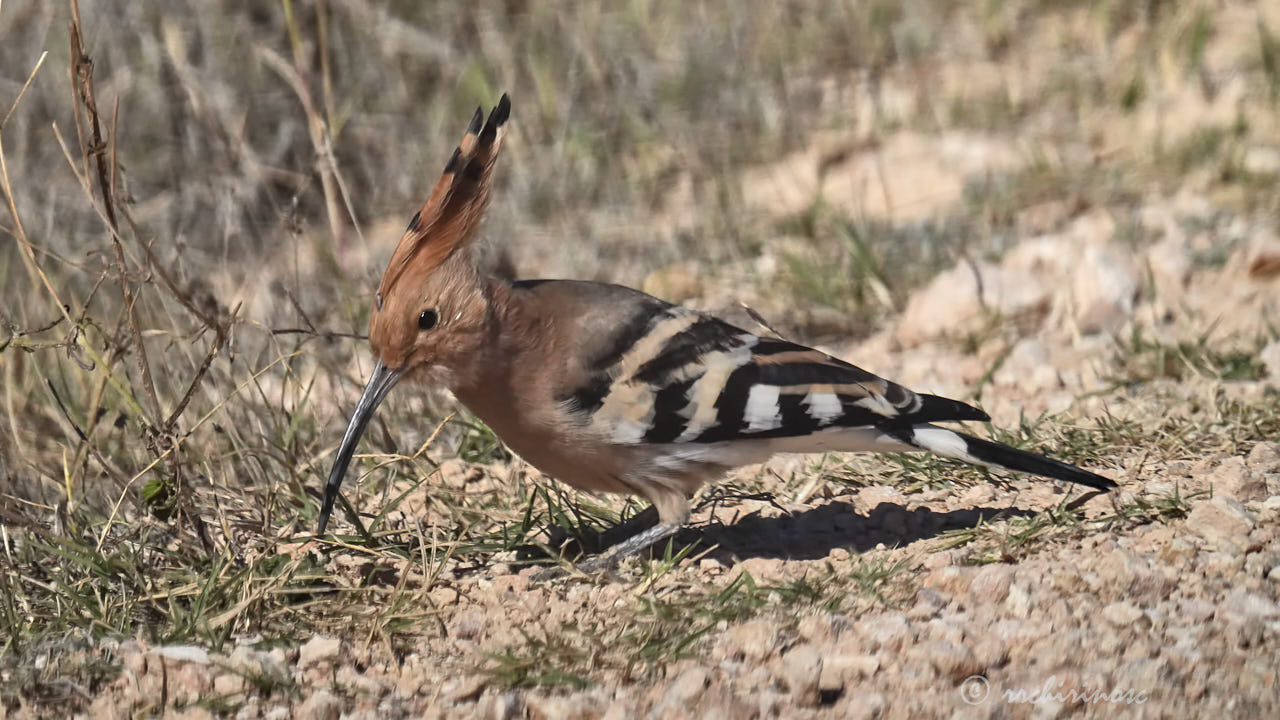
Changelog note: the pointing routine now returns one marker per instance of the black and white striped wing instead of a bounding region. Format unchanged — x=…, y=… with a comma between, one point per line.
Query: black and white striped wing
x=677, y=376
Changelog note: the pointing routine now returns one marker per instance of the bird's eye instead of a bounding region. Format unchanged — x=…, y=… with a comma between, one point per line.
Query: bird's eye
x=427, y=320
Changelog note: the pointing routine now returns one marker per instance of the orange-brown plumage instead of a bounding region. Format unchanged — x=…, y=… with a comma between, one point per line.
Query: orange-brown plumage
x=427, y=273
x=449, y=217
x=609, y=389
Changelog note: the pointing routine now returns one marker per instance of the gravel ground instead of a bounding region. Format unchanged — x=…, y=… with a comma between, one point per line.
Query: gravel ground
x=882, y=596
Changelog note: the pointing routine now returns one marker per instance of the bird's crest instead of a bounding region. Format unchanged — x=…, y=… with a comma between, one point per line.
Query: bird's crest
x=449, y=217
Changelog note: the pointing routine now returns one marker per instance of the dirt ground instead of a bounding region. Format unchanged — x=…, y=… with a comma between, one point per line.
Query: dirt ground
x=834, y=587
x=1067, y=215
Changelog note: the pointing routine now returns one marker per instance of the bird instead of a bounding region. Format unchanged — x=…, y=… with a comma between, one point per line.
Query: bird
x=611, y=390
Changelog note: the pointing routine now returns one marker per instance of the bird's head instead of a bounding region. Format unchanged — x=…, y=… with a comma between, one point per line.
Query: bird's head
x=429, y=312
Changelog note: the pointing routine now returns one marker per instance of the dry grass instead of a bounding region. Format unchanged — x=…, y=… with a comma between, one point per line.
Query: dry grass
x=192, y=192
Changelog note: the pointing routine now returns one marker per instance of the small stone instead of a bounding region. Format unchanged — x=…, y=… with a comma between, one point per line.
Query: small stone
x=991, y=583
x=864, y=706
x=1171, y=266
x=317, y=650
x=1124, y=574
x=949, y=303
x=551, y=708
x=509, y=584
x=977, y=495
x=1103, y=291
x=412, y=679
x=1018, y=603
x=849, y=668
x=1122, y=614
x=1261, y=160
x=184, y=653
x=189, y=683
x=951, y=579
x=938, y=560
x=687, y=687
x=1177, y=551
x=928, y=604
x=467, y=626
x=1028, y=367
x=890, y=632
x=1242, y=604
x=322, y=705
x=954, y=661
x=832, y=679
x=802, y=672
x=357, y=683
x=247, y=661
x=753, y=639
x=1222, y=521
x=1197, y=611
x=133, y=657
x=228, y=684
x=466, y=688
x=506, y=706
x=870, y=498
x=1246, y=633
x=990, y=652
x=814, y=629
x=1222, y=563
x=1234, y=480
x=1265, y=456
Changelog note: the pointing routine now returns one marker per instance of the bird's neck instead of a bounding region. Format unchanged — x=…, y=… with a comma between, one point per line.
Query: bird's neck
x=507, y=332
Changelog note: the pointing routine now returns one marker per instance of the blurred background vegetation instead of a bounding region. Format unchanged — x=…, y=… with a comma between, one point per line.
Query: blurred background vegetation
x=816, y=160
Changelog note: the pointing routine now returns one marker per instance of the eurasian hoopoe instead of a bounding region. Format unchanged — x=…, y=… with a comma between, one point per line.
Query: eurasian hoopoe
x=611, y=390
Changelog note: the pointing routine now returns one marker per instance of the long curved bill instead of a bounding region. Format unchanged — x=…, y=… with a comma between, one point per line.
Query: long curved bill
x=380, y=382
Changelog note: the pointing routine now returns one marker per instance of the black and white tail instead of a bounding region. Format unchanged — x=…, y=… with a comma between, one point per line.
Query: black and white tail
x=959, y=446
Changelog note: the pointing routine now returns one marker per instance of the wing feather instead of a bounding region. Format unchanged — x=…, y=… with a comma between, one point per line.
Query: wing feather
x=685, y=377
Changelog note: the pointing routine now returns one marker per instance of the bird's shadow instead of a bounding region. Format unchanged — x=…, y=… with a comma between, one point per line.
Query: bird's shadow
x=808, y=535
x=812, y=534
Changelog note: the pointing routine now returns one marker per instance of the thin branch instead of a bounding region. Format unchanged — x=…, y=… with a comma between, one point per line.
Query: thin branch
x=82, y=78
x=23, y=91
x=219, y=339
x=326, y=334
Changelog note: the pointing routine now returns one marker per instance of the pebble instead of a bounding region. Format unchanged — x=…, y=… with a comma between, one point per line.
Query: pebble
x=1223, y=522
x=687, y=687
x=321, y=705
x=317, y=650
x=802, y=673
x=1018, y=602
x=753, y=639
x=954, y=661
x=991, y=583
x=1122, y=614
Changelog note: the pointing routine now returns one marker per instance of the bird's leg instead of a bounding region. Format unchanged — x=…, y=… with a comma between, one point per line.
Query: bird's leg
x=633, y=525
x=608, y=559
x=669, y=510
